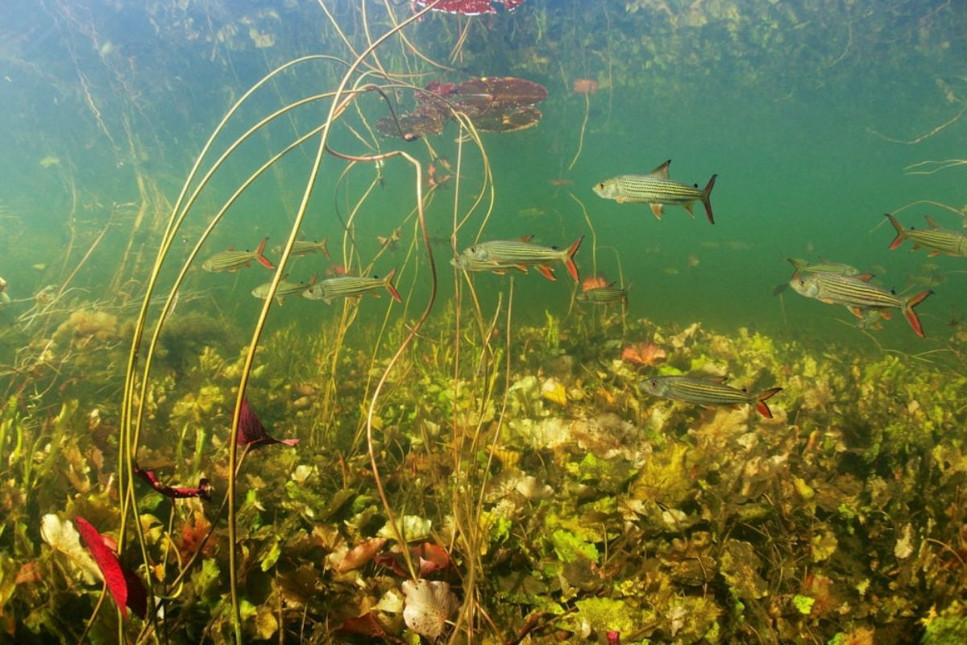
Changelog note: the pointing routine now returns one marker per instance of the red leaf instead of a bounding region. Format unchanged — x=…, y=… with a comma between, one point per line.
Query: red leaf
x=432, y=557
x=365, y=625
x=360, y=555
x=252, y=433
x=429, y=557
x=119, y=582
x=204, y=489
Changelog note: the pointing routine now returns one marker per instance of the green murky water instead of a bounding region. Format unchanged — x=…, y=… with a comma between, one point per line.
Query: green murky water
x=549, y=498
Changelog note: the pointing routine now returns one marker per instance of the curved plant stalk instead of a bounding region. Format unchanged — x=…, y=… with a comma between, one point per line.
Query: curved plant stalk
x=131, y=418
x=584, y=127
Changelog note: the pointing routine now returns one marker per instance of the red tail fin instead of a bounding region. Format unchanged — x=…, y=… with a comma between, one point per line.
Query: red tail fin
x=911, y=315
x=707, y=198
x=569, y=260
x=388, y=283
x=760, y=401
x=264, y=261
x=900, y=233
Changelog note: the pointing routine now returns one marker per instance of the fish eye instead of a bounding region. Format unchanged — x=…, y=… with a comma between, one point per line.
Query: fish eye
x=600, y=184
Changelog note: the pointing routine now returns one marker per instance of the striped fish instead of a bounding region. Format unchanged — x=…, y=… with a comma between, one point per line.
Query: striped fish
x=706, y=390
x=938, y=240
x=656, y=189
x=804, y=266
x=305, y=247
x=349, y=286
x=606, y=295
x=285, y=289
x=232, y=260
x=502, y=254
x=858, y=296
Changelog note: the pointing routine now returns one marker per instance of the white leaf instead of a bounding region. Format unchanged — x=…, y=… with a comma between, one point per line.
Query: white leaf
x=62, y=537
x=428, y=606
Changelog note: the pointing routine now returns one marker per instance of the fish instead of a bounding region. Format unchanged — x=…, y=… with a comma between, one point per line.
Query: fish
x=606, y=295
x=232, y=260
x=938, y=240
x=349, y=286
x=499, y=255
x=840, y=268
x=707, y=391
x=656, y=190
x=858, y=295
x=804, y=266
x=305, y=247
x=285, y=289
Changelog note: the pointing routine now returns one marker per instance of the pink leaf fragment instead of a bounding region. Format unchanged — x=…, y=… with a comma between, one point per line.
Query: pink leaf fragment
x=469, y=7
x=252, y=433
x=124, y=586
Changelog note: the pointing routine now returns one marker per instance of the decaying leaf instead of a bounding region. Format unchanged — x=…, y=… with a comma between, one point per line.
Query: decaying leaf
x=429, y=603
x=62, y=537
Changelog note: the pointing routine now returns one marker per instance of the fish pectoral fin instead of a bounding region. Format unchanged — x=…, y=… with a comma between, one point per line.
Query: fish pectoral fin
x=547, y=272
x=657, y=209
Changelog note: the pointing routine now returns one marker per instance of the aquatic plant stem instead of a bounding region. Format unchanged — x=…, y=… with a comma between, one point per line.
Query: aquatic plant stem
x=584, y=126
x=334, y=110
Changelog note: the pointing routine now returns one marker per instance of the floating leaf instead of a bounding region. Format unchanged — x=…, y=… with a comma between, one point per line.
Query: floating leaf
x=469, y=7
x=429, y=603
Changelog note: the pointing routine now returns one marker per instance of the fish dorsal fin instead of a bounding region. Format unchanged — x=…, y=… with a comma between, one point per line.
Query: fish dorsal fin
x=526, y=238
x=662, y=170
x=931, y=222
x=612, y=284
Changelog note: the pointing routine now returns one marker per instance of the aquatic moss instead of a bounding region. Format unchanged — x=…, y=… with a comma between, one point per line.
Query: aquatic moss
x=949, y=627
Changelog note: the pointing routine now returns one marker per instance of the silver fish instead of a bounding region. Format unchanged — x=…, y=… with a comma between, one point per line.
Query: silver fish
x=705, y=390
x=656, y=190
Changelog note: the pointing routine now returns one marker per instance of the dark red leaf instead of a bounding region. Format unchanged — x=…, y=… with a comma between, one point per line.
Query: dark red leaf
x=429, y=558
x=252, y=433
x=203, y=490
x=365, y=625
x=124, y=586
x=432, y=557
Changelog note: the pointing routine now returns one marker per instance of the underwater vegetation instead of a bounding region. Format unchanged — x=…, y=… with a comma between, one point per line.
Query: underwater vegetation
x=420, y=458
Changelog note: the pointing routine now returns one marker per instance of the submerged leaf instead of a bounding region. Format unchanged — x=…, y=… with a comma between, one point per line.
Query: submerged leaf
x=429, y=604
x=124, y=586
x=252, y=433
x=61, y=536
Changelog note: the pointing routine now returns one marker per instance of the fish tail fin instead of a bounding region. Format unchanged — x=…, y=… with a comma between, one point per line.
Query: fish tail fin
x=911, y=315
x=760, y=401
x=707, y=198
x=900, y=233
x=260, y=254
x=388, y=283
x=569, y=259
x=324, y=248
